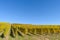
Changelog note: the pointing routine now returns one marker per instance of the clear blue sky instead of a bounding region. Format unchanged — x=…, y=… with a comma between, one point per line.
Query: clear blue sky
x=30, y=11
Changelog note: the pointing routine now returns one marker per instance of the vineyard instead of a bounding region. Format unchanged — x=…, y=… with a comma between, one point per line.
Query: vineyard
x=29, y=32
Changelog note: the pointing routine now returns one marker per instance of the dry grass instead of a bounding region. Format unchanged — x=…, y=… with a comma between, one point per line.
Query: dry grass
x=36, y=37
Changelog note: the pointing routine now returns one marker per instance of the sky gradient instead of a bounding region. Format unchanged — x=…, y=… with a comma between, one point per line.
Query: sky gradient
x=30, y=11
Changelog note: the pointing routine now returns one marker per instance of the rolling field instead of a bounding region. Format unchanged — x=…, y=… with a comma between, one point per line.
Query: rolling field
x=29, y=32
